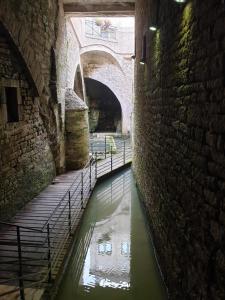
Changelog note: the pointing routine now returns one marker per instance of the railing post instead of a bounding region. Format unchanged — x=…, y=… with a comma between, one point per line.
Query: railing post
x=22, y=296
x=124, y=152
x=49, y=255
x=111, y=158
x=69, y=215
x=96, y=165
x=82, y=190
x=105, y=147
x=91, y=148
x=90, y=177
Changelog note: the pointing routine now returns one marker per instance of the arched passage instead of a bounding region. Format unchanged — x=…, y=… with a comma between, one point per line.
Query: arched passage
x=105, y=113
x=103, y=67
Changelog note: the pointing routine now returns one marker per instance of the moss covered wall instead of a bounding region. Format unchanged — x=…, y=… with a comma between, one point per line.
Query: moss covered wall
x=179, y=141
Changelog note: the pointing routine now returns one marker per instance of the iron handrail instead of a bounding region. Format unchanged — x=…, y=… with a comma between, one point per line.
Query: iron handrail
x=22, y=227
x=63, y=198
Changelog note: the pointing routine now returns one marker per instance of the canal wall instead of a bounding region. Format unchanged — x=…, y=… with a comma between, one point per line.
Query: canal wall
x=179, y=140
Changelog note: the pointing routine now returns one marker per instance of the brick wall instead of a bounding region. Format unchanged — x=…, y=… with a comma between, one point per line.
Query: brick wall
x=179, y=141
x=26, y=161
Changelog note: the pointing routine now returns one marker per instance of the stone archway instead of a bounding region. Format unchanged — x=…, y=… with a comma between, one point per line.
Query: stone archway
x=104, y=68
x=104, y=51
x=105, y=112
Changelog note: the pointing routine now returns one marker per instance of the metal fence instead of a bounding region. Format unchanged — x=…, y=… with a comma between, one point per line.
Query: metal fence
x=94, y=31
x=30, y=258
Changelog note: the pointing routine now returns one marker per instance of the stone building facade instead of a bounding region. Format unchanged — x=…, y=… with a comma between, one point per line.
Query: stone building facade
x=108, y=61
x=179, y=136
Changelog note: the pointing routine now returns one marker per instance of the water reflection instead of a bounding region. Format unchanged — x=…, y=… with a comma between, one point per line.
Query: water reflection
x=103, y=263
x=107, y=263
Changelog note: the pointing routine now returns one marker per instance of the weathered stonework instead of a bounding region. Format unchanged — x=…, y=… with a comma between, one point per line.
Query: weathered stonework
x=179, y=139
x=77, y=131
x=26, y=160
x=33, y=26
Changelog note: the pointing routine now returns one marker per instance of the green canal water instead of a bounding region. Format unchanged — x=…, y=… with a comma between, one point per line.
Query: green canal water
x=113, y=258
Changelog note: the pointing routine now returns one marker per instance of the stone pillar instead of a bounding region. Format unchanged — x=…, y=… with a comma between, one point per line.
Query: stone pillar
x=77, y=131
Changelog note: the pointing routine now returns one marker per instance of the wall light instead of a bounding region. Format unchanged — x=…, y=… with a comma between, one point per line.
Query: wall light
x=153, y=27
x=180, y=1
x=142, y=62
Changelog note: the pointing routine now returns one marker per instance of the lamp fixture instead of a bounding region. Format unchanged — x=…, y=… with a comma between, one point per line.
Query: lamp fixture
x=153, y=28
x=180, y=1
x=154, y=25
x=142, y=62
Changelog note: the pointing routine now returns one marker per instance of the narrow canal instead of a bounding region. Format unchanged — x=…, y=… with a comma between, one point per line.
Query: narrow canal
x=113, y=257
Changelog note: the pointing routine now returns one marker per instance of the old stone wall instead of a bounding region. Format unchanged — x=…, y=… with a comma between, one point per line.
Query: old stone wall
x=33, y=26
x=26, y=160
x=32, y=148
x=179, y=141
x=68, y=58
x=77, y=131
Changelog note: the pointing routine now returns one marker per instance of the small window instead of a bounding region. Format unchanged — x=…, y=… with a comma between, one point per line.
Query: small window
x=12, y=104
x=105, y=248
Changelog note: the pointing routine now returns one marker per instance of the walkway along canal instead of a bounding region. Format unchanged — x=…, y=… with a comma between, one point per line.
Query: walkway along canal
x=34, y=244
x=113, y=257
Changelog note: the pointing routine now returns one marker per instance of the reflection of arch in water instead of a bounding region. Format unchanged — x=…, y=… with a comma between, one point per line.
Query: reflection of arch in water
x=105, y=112
x=78, y=83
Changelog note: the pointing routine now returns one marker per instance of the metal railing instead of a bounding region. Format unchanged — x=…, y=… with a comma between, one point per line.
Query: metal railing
x=31, y=257
x=94, y=31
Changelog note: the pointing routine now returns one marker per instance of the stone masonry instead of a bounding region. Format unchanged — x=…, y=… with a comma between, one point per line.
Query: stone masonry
x=179, y=141
x=77, y=131
x=33, y=27
x=31, y=150
x=26, y=161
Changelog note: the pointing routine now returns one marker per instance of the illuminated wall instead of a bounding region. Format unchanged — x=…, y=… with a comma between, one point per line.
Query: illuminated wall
x=179, y=139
